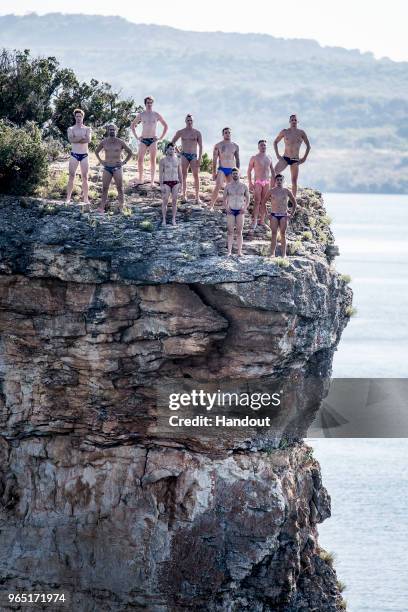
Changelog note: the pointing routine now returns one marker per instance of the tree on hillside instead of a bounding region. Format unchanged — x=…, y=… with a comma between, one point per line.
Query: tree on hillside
x=99, y=103
x=37, y=89
x=28, y=86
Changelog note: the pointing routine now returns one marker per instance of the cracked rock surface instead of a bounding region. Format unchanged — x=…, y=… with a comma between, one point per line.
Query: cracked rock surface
x=97, y=315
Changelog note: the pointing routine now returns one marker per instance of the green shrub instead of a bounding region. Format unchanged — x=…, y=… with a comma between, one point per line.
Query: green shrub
x=23, y=159
x=54, y=148
x=146, y=225
x=282, y=262
x=295, y=247
x=206, y=163
x=346, y=278
x=327, y=557
x=307, y=235
x=350, y=311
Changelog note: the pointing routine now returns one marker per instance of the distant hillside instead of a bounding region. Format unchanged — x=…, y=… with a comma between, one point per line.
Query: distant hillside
x=354, y=107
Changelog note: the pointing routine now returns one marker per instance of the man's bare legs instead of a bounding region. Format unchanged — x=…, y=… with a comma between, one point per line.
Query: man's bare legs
x=153, y=155
x=118, y=178
x=239, y=220
x=174, y=194
x=235, y=226
x=84, y=164
x=294, y=172
x=281, y=165
x=72, y=169
x=195, y=168
x=106, y=181
x=184, y=170
x=260, y=196
x=140, y=161
x=165, y=200
x=275, y=225
x=230, y=233
x=220, y=181
x=262, y=206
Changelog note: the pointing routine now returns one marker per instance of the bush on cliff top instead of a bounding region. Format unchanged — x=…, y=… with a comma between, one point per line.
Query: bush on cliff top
x=23, y=159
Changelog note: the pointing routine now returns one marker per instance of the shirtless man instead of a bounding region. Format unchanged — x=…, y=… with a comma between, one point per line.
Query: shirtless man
x=79, y=135
x=236, y=202
x=293, y=139
x=261, y=164
x=112, y=164
x=148, y=140
x=191, y=139
x=279, y=215
x=170, y=180
x=227, y=152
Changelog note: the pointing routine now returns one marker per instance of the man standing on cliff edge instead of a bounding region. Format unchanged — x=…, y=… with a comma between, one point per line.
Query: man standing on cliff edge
x=261, y=165
x=280, y=196
x=113, y=148
x=191, y=152
x=236, y=202
x=226, y=153
x=148, y=139
x=79, y=135
x=293, y=138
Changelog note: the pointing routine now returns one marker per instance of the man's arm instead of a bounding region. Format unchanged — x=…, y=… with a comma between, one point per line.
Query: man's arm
x=214, y=161
x=165, y=126
x=70, y=135
x=128, y=152
x=249, y=172
x=276, y=141
x=134, y=124
x=87, y=138
x=246, y=198
x=272, y=169
x=161, y=172
x=180, y=176
x=176, y=137
x=308, y=147
x=225, y=199
x=97, y=151
x=292, y=199
x=236, y=155
x=200, y=146
x=266, y=197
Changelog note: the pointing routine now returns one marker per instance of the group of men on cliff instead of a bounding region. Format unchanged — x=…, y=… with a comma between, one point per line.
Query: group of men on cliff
x=264, y=179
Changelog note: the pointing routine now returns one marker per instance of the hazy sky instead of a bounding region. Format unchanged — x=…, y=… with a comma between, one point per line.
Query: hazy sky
x=368, y=25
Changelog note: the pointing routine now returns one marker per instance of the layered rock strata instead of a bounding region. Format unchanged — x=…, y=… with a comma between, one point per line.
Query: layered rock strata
x=97, y=317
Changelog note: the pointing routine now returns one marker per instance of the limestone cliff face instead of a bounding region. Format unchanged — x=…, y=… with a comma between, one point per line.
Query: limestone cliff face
x=95, y=316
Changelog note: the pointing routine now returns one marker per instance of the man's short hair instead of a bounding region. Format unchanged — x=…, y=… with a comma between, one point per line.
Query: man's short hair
x=234, y=169
x=279, y=176
x=262, y=140
x=294, y=115
x=189, y=116
x=148, y=98
x=225, y=129
x=80, y=111
x=169, y=144
x=111, y=124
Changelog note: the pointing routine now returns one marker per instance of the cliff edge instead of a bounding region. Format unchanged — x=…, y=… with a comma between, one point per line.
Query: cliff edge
x=97, y=316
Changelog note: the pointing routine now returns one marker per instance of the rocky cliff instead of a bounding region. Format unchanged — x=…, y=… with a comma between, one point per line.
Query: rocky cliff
x=97, y=316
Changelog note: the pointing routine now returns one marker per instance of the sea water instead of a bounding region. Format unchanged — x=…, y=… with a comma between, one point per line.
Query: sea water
x=368, y=478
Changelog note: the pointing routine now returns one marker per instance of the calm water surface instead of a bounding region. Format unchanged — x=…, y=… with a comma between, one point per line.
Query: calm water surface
x=368, y=479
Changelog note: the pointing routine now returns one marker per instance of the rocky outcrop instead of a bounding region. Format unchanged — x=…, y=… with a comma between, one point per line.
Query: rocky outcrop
x=101, y=317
